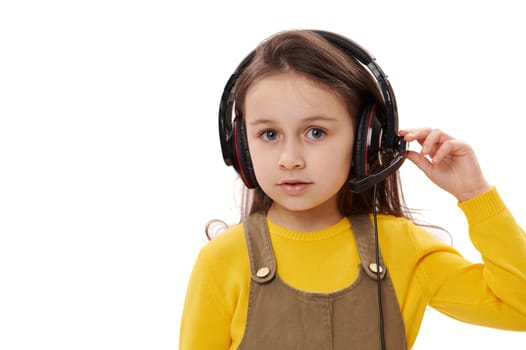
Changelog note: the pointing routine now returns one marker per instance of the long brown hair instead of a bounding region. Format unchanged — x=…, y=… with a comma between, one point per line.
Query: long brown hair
x=307, y=53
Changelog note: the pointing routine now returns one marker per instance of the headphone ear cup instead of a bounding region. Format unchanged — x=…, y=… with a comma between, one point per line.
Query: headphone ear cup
x=241, y=154
x=367, y=143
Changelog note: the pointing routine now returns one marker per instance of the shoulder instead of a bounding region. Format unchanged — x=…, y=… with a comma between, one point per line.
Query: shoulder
x=389, y=225
x=225, y=253
x=410, y=250
x=406, y=235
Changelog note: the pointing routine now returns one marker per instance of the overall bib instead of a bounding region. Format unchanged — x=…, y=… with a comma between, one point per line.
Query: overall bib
x=281, y=317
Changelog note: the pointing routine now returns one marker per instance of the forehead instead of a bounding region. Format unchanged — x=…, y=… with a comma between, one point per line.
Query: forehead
x=289, y=79
x=292, y=94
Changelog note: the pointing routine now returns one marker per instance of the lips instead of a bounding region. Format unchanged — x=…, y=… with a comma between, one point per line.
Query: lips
x=294, y=187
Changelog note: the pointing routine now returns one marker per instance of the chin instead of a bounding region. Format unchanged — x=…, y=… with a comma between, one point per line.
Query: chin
x=306, y=208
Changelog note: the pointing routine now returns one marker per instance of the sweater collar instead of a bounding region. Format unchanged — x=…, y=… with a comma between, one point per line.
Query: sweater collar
x=340, y=227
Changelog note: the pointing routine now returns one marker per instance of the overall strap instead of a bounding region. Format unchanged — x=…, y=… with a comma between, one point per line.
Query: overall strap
x=260, y=253
x=364, y=235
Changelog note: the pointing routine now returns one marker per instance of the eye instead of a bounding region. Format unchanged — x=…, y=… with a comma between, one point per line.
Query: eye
x=269, y=135
x=315, y=133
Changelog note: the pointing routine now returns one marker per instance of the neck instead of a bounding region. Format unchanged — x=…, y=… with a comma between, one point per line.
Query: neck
x=310, y=220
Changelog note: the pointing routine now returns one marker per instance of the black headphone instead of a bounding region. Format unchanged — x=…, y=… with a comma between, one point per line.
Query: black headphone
x=378, y=149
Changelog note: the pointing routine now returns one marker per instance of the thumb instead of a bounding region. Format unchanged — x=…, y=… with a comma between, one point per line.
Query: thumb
x=420, y=161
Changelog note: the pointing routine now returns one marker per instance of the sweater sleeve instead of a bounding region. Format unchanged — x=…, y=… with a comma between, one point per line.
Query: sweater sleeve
x=205, y=323
x=492, y=293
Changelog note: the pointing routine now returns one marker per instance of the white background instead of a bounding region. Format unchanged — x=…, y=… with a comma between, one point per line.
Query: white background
x=110, y=163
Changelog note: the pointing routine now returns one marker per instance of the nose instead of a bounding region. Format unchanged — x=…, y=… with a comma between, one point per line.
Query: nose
x=291, y=157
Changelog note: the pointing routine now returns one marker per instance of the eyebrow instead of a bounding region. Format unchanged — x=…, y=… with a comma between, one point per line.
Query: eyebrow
x=311, y=119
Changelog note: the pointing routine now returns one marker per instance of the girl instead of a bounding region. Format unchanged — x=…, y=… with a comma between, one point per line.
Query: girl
x=326, y=256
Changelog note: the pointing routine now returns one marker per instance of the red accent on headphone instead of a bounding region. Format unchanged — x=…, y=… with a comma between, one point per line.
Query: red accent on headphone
x=367, y=143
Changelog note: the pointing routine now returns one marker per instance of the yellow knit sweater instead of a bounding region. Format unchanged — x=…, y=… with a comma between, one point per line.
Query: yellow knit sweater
x=424, y=271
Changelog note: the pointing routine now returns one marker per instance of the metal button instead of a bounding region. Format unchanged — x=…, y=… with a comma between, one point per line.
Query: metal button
x=375, y=268
x=263, y=272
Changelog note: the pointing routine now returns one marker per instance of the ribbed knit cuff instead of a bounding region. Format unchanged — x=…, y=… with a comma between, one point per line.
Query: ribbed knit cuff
x=482, y=206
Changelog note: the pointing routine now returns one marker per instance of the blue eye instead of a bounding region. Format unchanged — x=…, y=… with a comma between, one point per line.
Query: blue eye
x=269, y=135
x=315, y=133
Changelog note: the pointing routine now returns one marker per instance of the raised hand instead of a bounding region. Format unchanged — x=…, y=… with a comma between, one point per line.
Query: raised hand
x=448, y=162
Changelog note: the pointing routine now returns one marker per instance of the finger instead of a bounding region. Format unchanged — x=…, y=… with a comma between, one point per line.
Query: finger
x=433, y=141
x=452, y=147
x=420, y=161
x=426, y=137
x=414, y=134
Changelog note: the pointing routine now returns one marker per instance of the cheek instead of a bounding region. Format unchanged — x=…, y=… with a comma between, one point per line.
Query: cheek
x=260, y=163
x=338, y=154
x=338, y=161
x=261, y=159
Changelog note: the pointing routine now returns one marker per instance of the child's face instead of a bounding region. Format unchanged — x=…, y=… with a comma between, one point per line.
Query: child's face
x=300, y=137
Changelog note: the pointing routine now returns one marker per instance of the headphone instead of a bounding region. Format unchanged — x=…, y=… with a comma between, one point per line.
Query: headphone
x=378, y=149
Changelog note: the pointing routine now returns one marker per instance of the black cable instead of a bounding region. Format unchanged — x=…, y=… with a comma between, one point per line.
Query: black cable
x=378, y=272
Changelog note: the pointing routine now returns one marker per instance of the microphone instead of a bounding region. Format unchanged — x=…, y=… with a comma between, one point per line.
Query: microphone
x=396, y=158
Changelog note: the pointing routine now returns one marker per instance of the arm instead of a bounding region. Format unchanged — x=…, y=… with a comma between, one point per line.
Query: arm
x=502, y=244
x=492, y=293
x=205, y=323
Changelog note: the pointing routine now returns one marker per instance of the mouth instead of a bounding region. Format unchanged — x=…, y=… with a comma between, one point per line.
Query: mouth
x=293, y=183
x=294, y=187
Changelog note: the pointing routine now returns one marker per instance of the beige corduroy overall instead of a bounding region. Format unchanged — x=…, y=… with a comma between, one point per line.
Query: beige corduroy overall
x=284, y=318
